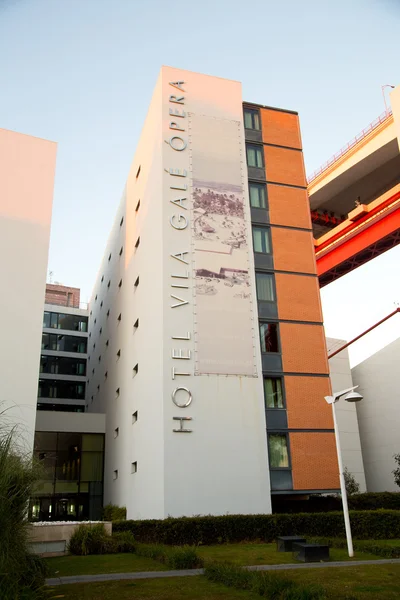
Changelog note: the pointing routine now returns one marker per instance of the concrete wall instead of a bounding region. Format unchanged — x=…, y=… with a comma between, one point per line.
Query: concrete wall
x=379, y=415
x=346, y=412
x=222, y=465
x=27, y=167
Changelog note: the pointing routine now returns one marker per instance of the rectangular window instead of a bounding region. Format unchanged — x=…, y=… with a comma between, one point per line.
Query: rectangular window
x=273, y=392
x=278, y=451
x=134, y=467
x=46, y=320
x=265, y=287
x=269, y=337
x=252, y=119
x=262, y=240
x=134, y=417
x=258, y=196
x=254, y=156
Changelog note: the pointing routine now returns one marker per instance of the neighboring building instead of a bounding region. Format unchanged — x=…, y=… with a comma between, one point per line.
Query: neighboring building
x=379, y=416
x=207, y=257
x=346, y=412
x=27, y=167
x=70, y=447
x=63, y=362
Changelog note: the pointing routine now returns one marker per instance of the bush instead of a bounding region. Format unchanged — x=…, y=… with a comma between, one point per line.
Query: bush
x=21, y=573
x=124, y=541
x=93, y=539
x=184, y=557
x=372, y=547
x=316, y=503
x=263, y=583
x=192, y=531
x=112, y=512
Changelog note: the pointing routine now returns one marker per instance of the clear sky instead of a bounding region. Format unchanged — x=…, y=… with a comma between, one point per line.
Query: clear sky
x=81, y=73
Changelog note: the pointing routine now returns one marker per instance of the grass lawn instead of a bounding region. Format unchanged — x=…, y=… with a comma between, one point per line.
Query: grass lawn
x=177, y=588
x=265, y=554
x=61, y=566
x=371, y=582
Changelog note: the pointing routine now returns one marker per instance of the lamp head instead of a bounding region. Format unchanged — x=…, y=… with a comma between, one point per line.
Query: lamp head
x=353, y=397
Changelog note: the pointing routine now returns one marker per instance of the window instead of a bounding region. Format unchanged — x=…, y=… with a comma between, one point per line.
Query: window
x=273, y=392
x=61, y=389
x=109, y=258
x=63, y=321
x=269, y=337
x=134, y=467
x=261, y=240
x=63, y=343
x=101, y=304
x=121, y=251
x=107, y=342
x=95, y=298
x=119, y=317
x=278, y=451
x=137, y=243
x=62, y=366
x=252, y=119
x=106, y=375
x=120, y=223
x=258, y=195
x=46, y=320
x=137, y=206
x=117, y=391
x=102, y=278
x=115, y=474
x=134, y=417
x=136, y=282
x=116, y=432
x=120, y=283
x=100, y=358
x=135, y=326
x=138, y=172
x=265, y=287
x=135, y=370
x=254, y=156
x=118, y=354
x=108, y=313
x=109, y=283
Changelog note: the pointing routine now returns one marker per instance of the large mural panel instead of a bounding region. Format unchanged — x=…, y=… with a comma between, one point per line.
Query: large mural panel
x=224, y=341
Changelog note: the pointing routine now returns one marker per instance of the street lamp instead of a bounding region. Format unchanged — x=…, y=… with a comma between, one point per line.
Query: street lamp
x=350, y=396
x=383, y=94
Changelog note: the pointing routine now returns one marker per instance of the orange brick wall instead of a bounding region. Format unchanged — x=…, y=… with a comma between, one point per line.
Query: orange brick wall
x=288, y=206
x=62, y=295
x=280, y=128
x=305, y=404
x=303, y=348
x=293, y=250
x=284, y=166
x=298, y=297
x=314, y=461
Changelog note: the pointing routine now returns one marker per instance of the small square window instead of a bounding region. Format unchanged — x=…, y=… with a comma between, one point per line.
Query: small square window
x=262, y=240
x=117, y=392
x=109, y=258
x=137, y=243
x=95, y=299
x=254, y=156
x=102, y=278
x=121, y=251
x=106, y=375
x=120, y=283
x=115, y=474
x=273, y=393
x=107, y=342
x=252, y=119
x=134, y=417
x=101, y=331
x=136, y=282
x=138, y=172
x=278, y=451
x=134, y=467
x=100, y=358
x=119, y=354
x=108, y=313
x=137, y=206
x=121, y=221
x=92, y=371
x=101, y=304
x=135, y=326
x=98, y=388
x=269, y=337
x=116, y=432
x=119, y=317
x=109, y=283
x=135, y=370
x=265, y=287
x=95, y=321
x=258, y=195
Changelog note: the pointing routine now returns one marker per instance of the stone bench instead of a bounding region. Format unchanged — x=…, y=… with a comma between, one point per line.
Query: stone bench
x=310, y=552
x=284, y=543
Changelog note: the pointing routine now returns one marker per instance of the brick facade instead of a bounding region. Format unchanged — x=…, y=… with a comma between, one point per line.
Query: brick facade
x=314, y=461
x=62, y=295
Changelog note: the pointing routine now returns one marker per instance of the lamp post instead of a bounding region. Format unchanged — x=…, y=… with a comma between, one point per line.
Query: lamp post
x=351, y=396
x=383, y=94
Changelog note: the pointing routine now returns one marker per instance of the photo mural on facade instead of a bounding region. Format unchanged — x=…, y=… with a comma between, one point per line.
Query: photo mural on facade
x=223, y=304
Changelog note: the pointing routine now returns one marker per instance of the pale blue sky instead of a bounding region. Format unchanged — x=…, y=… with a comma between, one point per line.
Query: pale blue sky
x=81, y=73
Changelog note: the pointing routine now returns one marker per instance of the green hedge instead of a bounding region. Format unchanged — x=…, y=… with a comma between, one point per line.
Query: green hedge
x=183, y=557
x=373, y=547
x=378, y=524
x=315, y=503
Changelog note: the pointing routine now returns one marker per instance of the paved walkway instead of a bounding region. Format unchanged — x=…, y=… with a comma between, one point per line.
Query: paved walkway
x=193, y=572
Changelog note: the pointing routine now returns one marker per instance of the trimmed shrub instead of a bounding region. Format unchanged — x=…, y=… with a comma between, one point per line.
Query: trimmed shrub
x=372, y=547
x=316, y=503
x=112, y=512
x=192, y=531
x=184, y=557
x=264, y=583
x=93, y=539
x=124, y=541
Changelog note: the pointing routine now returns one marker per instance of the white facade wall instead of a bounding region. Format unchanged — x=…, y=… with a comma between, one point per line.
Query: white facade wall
x=346, y=412
x=221, y=466
x=378, y=378
x=27, y=167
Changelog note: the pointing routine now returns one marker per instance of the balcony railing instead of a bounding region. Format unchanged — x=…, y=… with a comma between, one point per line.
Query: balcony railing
x=350, y=145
